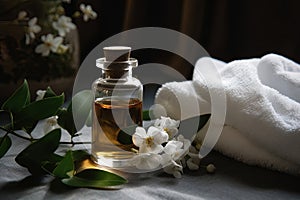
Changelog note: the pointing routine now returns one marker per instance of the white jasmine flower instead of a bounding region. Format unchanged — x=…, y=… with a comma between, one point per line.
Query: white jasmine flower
x=40, y=94
x=63, y=25
x=32, y=29
x=88, y=12
x=174, y=150
x=50, y=44
x=146, y=161
x=151, y=141
x=167, y=124
x=22, y=15
x=210, y=168
x=51, y=124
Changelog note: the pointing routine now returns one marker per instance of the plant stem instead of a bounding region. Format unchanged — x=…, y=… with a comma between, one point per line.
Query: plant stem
x=16, y=134
x=74, y=143
x=33, y=139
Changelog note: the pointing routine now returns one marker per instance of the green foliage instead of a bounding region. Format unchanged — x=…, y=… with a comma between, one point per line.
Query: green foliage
x=40, y=157
x=65, y=166
x=39, y=152
x=29, y=115
x=95, y=178
x=5, y=144
x=146, y=115
x=18, y=99
x=79, y=108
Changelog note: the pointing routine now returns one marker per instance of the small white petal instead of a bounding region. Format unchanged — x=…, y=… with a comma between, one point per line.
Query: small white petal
x=32, y=22
x=27, y=39
x=40, y=94
x=139, y=136
x=147, y=161
x=22, y=15
x=155, y=149
x=43, y=49
x=82, y=7
x=159, y=136
x=51, y=124
x=85, y=18
x=170, y=148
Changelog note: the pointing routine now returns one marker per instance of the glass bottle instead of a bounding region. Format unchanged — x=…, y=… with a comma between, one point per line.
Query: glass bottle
x=117, y=106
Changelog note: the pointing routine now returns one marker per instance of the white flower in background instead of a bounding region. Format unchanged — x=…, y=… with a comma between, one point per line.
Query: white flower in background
x=63, y=25
x=32, y=29
x=168, y=125
x=50, y=124
x=50, y=44
x=88, y=12
x=146, y=161
x=40, y=94
x=22, y=15
x=151, y=141
x=62, y=49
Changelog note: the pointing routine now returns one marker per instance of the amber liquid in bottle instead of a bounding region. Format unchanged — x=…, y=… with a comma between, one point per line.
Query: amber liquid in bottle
x=113, y=115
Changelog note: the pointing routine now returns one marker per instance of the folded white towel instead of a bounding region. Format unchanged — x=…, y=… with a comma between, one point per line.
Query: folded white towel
x=262, y=125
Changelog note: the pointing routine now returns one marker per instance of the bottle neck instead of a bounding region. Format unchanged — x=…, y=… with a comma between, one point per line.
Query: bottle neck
x=117, y=73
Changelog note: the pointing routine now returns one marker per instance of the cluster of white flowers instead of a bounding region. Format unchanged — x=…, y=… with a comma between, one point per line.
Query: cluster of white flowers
x=53, y=42
x=160, y=146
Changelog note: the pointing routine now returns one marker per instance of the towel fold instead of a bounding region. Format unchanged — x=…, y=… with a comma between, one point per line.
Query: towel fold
x=262, y=124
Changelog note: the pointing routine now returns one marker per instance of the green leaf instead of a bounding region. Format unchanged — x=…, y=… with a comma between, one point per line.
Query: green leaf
x=125, y=135
x=79, y=155
x=51, y=163
x=95, y=178
x=49, y=93
x=89, y=121
x=5, y=144
x=65, y=166
x=18, y=99
x=146, y=115
x=81, y=106
x=65, y=120
x=39, y=152
x=38, y=110
x=78, y=109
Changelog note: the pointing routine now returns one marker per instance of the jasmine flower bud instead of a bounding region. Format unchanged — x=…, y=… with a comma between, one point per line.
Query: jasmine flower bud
x=210, y=168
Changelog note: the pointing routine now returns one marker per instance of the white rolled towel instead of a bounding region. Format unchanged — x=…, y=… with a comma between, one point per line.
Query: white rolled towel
x=262, y=124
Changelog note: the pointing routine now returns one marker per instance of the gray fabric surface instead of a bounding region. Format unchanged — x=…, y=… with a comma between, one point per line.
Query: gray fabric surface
x=232, y=180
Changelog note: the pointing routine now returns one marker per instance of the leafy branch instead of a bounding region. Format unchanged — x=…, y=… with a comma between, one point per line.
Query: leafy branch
x=39, y=156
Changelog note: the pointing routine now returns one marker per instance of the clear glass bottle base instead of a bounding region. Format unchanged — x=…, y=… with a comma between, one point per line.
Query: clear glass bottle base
x=113, y=159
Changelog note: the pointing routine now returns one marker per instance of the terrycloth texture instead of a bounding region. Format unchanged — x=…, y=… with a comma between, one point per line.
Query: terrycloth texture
x=262, y=125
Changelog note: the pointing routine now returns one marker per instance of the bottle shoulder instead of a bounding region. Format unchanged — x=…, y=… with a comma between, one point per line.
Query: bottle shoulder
x=108, y=83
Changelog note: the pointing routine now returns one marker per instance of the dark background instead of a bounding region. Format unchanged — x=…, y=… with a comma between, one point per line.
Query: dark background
x=227, y=29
